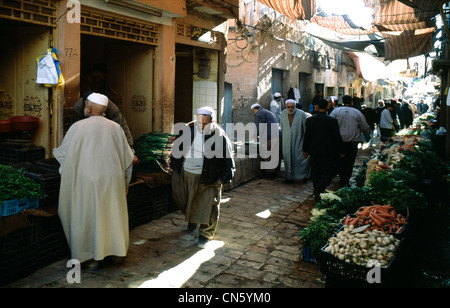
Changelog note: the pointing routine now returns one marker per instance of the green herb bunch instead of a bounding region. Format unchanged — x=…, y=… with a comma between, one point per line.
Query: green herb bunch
x=346, y=200
x=318, y=231
x=422, y=161
x=387, y=190
x=153, y=150
x=15, y=185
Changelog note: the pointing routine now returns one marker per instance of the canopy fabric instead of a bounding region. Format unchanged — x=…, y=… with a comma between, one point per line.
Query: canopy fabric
x=348, y=42
x=394, y=12
x=406, y=25
x=293, y=9
x=408, y=44
x=341, y=24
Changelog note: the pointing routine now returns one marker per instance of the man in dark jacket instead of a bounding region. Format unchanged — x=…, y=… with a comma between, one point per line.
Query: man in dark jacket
x=407, y=115
x=201, y=161
x=371, y=117
x=324, y=144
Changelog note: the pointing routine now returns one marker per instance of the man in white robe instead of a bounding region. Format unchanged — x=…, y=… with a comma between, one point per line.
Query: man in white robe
x=293, y=125
x=95, y=165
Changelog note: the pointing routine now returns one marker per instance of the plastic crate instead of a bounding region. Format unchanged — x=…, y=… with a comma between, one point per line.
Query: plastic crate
x=52, y=241
x=18, y=153
x=48, y=163
x=11, y=207
x=308, y=256
x=146, y=204
x=347, y=274
x=18, y=251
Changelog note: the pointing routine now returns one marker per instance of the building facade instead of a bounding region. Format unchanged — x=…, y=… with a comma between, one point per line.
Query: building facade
x=163, y=59
x=268, y=52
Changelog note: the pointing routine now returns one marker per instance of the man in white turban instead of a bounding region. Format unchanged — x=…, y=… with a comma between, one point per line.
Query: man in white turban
x=95, y=165
x=293, y=125
x=201, y=162
x=276, y=105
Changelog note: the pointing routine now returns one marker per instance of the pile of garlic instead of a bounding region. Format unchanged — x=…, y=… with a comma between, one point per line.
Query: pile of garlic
x=365, y=248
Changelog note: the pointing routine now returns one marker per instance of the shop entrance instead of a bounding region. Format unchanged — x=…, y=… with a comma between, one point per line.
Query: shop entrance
x=129, y=77
x=19, y=93
x=183, y=83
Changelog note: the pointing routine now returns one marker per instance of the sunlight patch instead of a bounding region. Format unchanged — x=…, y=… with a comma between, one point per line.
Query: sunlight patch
x=178, y=275
x=140, y=242
x=264, y=214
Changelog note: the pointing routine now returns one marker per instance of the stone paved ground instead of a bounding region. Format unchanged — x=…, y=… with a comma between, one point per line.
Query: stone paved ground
x=256, y=246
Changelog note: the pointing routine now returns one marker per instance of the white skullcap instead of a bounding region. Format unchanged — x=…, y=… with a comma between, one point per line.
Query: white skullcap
x=290, y=101
x=255, y=105
x=206, y=110
x=98, y=98
x=277, y=94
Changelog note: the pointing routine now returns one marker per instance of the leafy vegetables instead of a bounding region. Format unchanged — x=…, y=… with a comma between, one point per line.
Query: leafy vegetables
x=317, y=233
x=15, y=185
x=153, y=151
x=386, y=190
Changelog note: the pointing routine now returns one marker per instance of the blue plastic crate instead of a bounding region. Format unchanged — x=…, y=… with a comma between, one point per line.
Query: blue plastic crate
x=11, y=207
x=308, y=256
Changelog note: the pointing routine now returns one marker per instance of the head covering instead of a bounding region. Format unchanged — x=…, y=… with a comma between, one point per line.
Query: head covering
x=290, y=101
x=255, y=105
x=98, y=98
x=206, y=110
x=277, y=94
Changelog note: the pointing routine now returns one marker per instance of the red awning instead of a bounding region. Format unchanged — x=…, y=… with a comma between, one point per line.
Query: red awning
x=341, y=24
x=395, y=12
x=406, y=25
x=408, y=44
x=293, y=9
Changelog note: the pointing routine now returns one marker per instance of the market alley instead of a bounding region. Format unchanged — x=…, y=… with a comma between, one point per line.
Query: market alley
x=256, y=246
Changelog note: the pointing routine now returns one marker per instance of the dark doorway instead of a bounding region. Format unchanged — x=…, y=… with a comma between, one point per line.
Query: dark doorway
x=302, y=77
x=184, y=71
x=278, y=81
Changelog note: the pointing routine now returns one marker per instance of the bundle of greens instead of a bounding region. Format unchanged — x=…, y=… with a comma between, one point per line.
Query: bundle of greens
x=384, y=189
x=316, y=235
x=15, y=185
x=422, y=161
x=153, y=150
x=346, y=200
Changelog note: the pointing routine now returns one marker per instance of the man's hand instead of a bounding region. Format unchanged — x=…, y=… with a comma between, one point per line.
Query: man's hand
x=135, y=160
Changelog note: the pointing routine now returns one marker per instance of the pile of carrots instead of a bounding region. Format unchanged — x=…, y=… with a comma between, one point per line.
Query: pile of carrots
x=378, y=217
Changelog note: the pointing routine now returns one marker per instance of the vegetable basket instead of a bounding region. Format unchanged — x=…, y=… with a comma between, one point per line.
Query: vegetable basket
x=344, y=271
x=11, y=207
x=308, y=256
x=332, y=266
x=400, y=233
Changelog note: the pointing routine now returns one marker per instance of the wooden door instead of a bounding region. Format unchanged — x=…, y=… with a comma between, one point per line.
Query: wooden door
x=131, y=81
x=19, y=93
x=183, y=84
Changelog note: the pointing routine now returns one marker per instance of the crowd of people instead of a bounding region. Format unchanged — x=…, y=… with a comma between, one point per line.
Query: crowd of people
x=96, y=159
x=323, y=142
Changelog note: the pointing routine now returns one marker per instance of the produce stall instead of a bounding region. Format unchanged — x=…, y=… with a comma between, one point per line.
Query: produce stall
x=31, y=234
x=385, y=226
